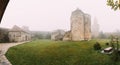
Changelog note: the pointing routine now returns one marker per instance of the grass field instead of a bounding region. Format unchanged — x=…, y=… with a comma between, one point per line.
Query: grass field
x=46, y=52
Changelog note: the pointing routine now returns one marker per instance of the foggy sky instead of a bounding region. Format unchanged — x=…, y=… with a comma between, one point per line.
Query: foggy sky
x=49, y=15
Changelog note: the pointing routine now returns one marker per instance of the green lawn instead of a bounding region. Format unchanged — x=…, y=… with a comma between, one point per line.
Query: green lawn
x=46, y=52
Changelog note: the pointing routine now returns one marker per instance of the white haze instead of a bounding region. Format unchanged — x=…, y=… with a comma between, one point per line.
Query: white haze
x=49, y=15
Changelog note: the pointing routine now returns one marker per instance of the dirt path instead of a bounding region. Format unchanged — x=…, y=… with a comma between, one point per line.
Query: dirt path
x=3, y=49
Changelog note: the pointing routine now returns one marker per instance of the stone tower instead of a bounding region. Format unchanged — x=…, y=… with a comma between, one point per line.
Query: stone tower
x=80, y=26
x=87, y=27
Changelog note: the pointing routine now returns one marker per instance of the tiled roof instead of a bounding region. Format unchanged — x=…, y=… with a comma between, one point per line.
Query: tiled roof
x=16, y=28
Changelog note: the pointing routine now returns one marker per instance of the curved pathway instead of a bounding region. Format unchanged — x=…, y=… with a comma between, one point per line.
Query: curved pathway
x=3, y=49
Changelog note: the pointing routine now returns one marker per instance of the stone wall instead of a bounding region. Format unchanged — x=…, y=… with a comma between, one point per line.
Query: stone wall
x=57, y=35
x=87, y=27
x=77, y=25
x=80, y=26
x=19, y=36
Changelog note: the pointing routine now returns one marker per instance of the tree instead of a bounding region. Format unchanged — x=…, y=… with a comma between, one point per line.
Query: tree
x=102, y=35
x=4, y=35
x=3, y=5
x=114, y=4
x=115, y=45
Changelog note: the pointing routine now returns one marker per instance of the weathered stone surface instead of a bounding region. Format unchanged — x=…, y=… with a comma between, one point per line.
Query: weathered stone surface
x=67, y=36
x=77, y=25
x=57, y=35
x=87, y=27
x=80, y=26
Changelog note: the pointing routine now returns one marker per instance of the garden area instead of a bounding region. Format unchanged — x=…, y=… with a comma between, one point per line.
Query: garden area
x=47, y=52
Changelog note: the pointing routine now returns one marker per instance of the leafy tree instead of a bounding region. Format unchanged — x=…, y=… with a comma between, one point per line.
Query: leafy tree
x=4, y=35
x=114, y=4
x=41, y=35
x=102, y=35
x=114, y=43
x=48, y=36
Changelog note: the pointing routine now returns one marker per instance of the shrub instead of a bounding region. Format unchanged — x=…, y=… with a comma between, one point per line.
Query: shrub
x=107, y=44
x=115, y=56
x=97, y=46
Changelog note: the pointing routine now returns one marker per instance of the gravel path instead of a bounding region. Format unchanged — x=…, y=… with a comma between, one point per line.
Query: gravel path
x=3, y=49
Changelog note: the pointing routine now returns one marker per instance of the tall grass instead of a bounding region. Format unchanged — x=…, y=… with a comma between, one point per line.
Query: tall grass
x=46, y=52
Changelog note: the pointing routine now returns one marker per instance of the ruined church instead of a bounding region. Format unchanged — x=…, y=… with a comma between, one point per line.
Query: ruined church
x=80, y=26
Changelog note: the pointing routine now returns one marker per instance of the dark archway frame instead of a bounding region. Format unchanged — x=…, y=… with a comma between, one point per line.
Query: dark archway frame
x=3, y=5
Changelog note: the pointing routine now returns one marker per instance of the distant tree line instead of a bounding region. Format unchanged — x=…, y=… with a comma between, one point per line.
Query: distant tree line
x=103, y=35
x=41, y=35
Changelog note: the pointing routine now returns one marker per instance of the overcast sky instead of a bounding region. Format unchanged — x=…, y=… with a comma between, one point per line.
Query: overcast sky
x=49, y=15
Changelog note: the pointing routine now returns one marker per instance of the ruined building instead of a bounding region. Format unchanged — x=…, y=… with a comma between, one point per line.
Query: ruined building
x=80, y=26
x=57, y=35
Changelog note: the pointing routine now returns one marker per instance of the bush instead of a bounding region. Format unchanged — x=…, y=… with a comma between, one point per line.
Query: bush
x=115, y=56
x=97, y=46
x=5, y=38
x=107, y=44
